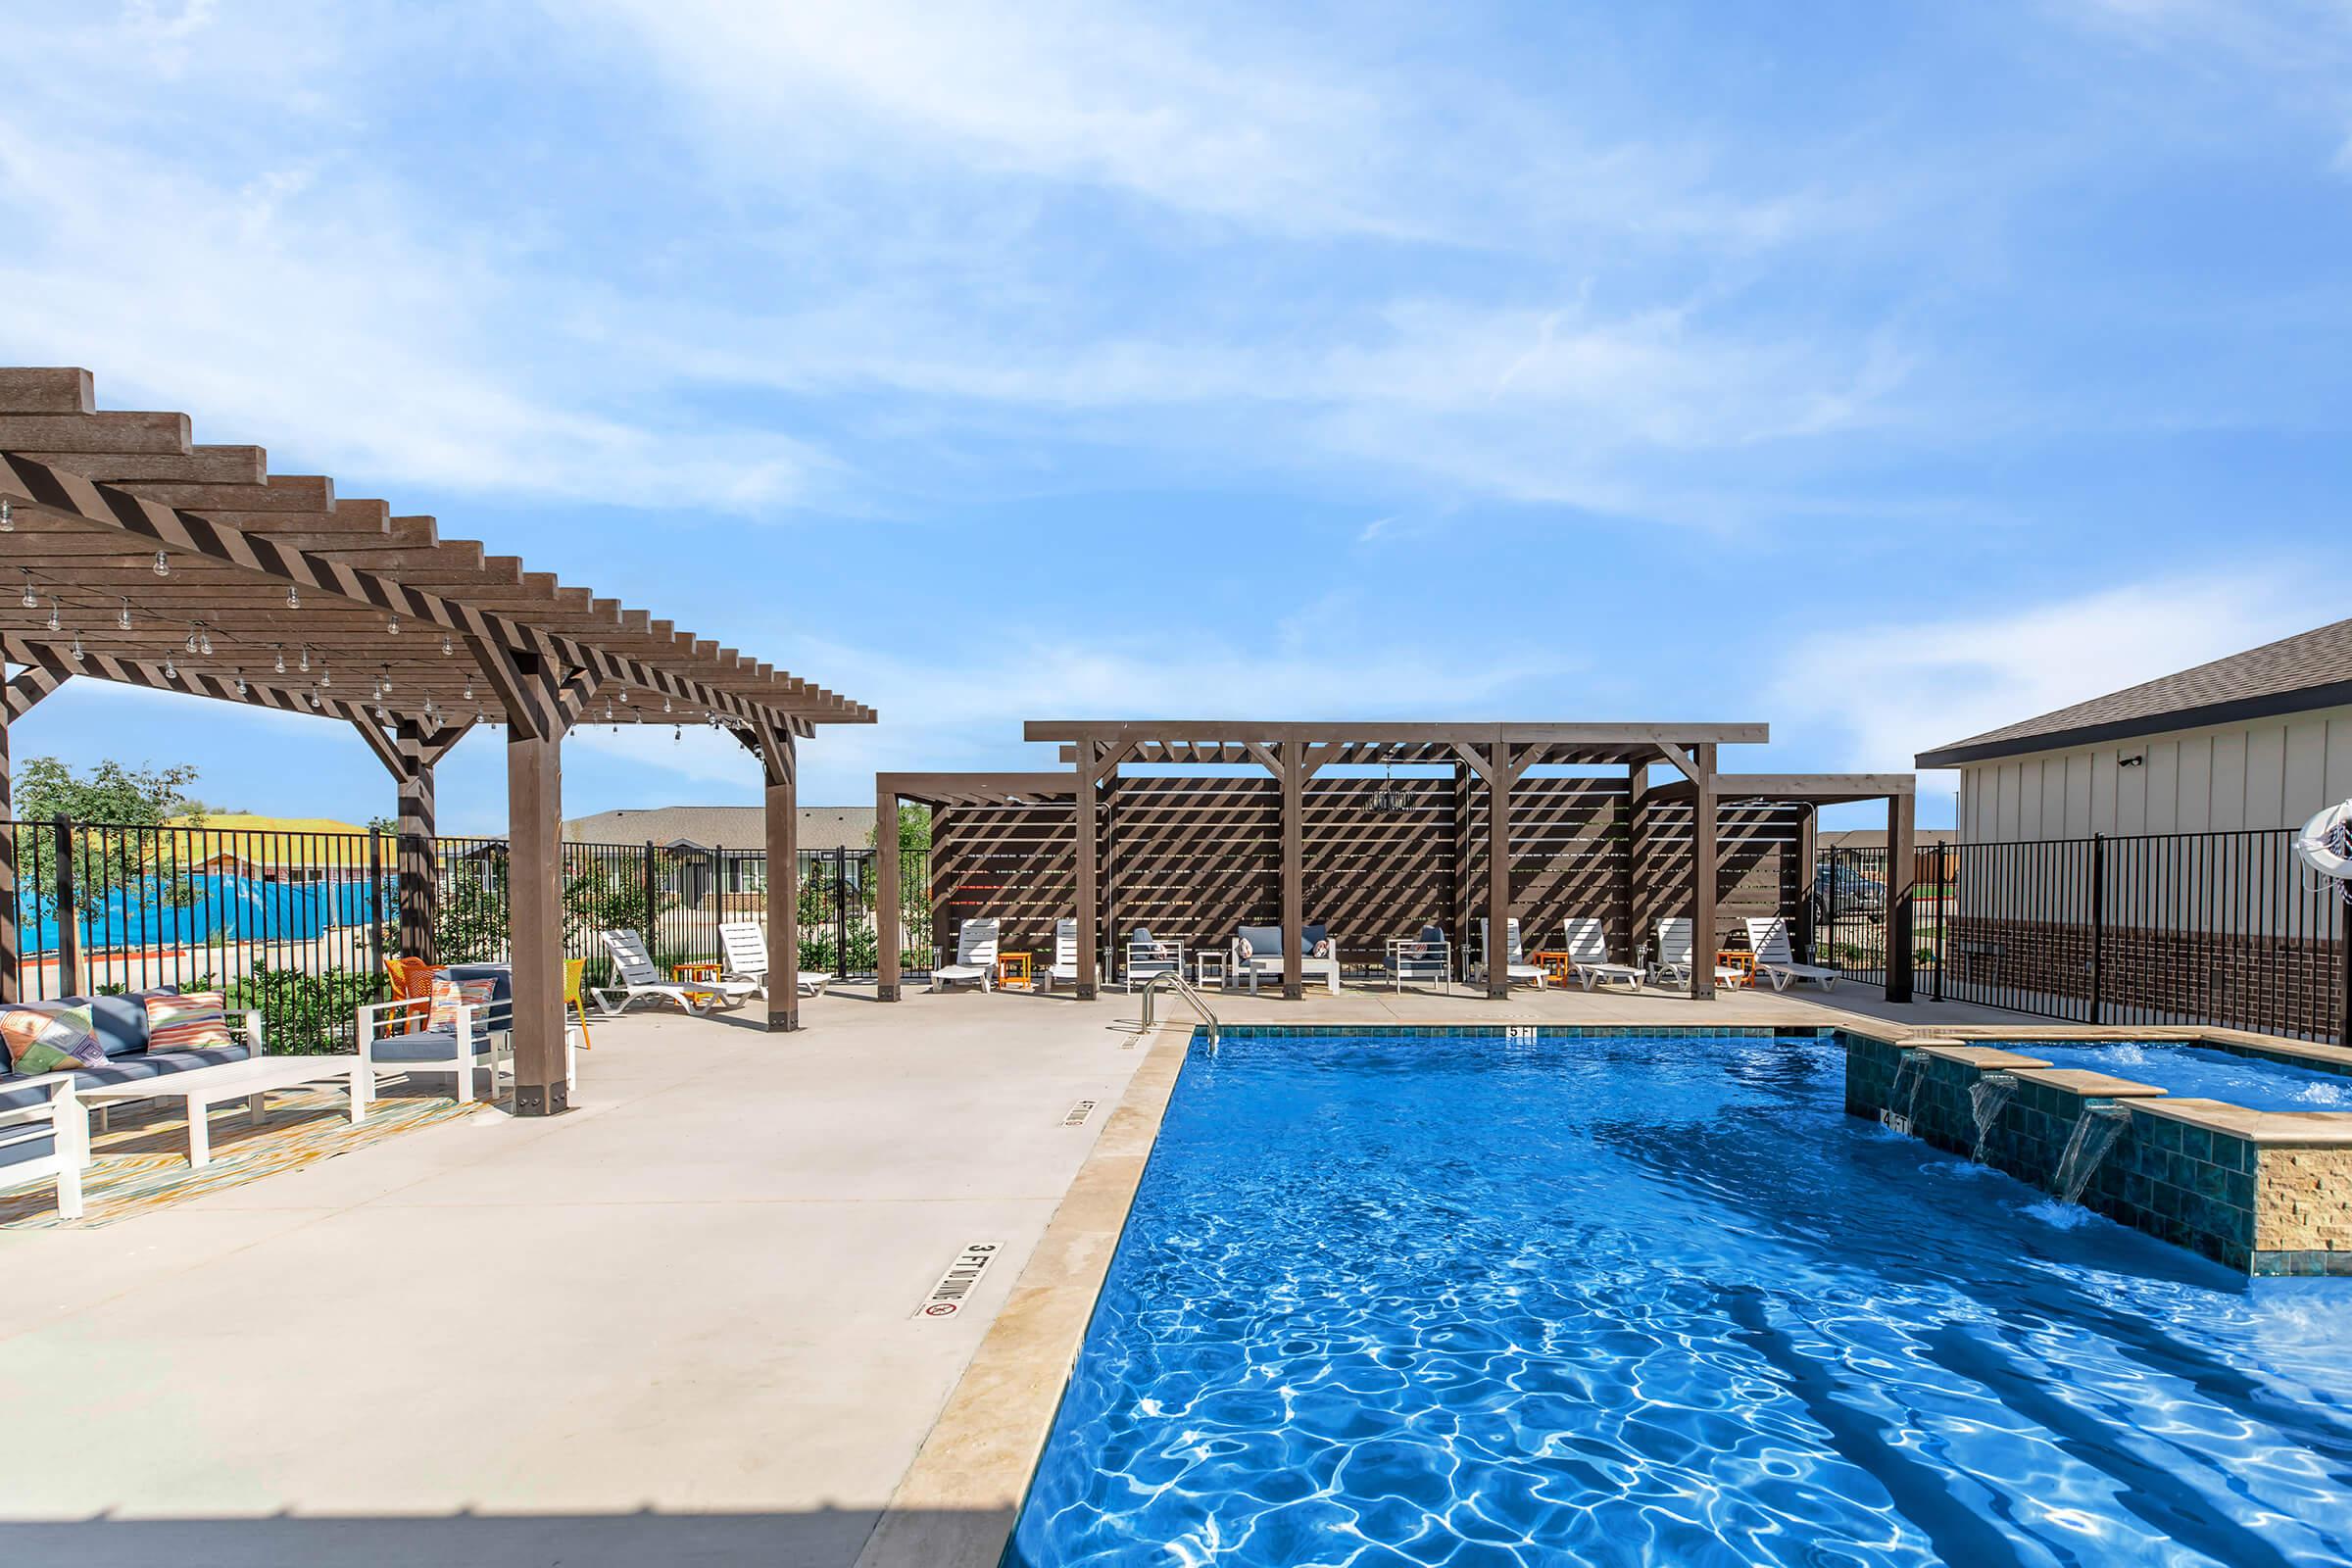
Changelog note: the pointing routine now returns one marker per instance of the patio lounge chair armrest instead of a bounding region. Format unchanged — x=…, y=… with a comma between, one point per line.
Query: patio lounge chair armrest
x=248, y=1021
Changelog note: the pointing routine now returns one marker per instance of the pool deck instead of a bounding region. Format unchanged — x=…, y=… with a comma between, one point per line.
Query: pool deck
x=680, y=1324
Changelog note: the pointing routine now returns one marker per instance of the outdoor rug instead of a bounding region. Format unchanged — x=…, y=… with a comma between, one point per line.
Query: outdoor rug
x=140, y=1163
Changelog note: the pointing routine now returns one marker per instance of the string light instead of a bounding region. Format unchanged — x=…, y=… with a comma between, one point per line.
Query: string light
x=32, y=600
x=56, y=623
x=192, y=639
x=240, y=685
x=469, y=688
x=386, y=678
x=665, y=705
x=326, y=676
x=204, y=641
x=293, y=597
x=123, y=615
x=163, y=565
x=8, y=516
x=280, y=664
x=171, y=671
x=77, y=649
x=392, y=627
x=448, y=648
x=306, y=659
x=677, y=733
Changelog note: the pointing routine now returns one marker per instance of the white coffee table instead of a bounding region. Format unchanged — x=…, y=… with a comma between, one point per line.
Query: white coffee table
x=200, y=1089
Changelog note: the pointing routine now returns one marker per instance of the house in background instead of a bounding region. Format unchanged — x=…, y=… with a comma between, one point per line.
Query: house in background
x=2258, y=740
x=722, y=848
x=274, y=849
x=2132, y=852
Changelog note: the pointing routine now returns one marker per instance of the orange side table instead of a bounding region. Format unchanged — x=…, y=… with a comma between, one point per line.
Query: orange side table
x=1560, y=964
x=701, y=969
x=1013, y=971
x=1742, y=960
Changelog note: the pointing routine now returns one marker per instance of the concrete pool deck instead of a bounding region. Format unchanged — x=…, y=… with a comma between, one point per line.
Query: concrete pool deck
x=680, y=1324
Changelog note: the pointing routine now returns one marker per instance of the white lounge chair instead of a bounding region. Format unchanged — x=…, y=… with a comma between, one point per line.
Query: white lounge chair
x=639, y=981
x=744, y=946
x=1514, y=967
x=1148, y=955
x=1776, y=960
x=1588, y=956
x=1065, y=953
x=1427, y=957
x=1674, y=957
x=975, y=957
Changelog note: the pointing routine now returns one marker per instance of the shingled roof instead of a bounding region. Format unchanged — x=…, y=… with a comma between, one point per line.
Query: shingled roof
x=2312, y=670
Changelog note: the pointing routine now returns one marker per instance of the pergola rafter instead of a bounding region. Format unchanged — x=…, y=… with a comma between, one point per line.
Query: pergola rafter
x=142, y=558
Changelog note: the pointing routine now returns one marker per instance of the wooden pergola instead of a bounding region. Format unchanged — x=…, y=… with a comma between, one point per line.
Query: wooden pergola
x=130, y=554
x=1486, y=759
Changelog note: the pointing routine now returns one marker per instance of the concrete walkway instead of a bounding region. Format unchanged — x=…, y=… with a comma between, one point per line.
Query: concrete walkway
x=679, y=1325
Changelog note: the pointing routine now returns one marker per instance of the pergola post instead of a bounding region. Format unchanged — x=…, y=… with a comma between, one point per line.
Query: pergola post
x=1704, y=869
x=1808, y=875
x=1902, y=867
x=1628, y=891
x=888, y=939
x=1498, y=869
x=1090, y=756
x=417, y=892
x=535, y=918
x=23, y=693
x=779, y=761
x=1292, y=775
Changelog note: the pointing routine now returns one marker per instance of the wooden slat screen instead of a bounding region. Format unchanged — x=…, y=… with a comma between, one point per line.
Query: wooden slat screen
x=1190, y=859
x=1568, y=857
x=1016, y=863
x=1370, y=875
x=1758, y=848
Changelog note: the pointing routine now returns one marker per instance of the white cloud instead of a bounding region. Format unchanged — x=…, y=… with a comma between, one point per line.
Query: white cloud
x=1889, y=689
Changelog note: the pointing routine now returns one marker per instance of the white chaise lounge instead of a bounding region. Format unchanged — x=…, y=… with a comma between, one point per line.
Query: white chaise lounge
x=1775, y=959
x=1588, y=956
x=975, y=957
x=1515, y=968
x=1674, y=957
x=744, y=946
x=1065, y=955
x=639, y=981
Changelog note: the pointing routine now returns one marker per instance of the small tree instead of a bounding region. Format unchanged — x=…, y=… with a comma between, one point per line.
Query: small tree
x=113, y=796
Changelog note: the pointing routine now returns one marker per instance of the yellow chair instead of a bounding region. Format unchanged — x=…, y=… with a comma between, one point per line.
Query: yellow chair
x=572, y=999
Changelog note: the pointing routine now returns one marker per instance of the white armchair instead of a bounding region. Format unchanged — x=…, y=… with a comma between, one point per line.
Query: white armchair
x=55, y=1117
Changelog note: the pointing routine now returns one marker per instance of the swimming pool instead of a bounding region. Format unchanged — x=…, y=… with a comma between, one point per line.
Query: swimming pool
x=2257, y=1083
x=1635, y=1300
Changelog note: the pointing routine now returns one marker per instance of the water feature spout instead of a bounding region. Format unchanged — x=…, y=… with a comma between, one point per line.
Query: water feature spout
x=1986, y=1098
x=1902, y=1095
x=2096, y=1130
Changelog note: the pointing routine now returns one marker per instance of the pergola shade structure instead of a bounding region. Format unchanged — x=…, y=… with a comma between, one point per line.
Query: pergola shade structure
x=130, y=554
x=1492, y=821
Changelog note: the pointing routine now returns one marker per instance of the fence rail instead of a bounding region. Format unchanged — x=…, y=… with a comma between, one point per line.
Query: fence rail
x=2184, y=928
x=298, y=923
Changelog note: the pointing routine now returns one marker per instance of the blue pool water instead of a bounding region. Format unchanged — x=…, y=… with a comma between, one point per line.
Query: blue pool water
x=1641, y=1301
x=2254, y=1082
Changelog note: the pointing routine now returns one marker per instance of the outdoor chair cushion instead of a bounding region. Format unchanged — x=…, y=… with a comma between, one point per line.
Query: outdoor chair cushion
x=1315, y=941
x=502, y=991
x=422, y=1045
x=449, y=995
x=188, y=1021
x=38, y=1040
x=1261, y=942
x=34, y=1143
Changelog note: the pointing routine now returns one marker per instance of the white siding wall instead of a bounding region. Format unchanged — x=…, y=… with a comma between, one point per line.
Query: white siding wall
x=2270, y=773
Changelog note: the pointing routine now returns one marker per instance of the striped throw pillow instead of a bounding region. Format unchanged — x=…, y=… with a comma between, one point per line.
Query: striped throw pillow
x=451, y=995
x=189, y=1021
x=49, y=1040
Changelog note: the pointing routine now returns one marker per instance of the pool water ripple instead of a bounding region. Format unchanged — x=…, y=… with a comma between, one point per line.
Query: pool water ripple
x=1649, y=1301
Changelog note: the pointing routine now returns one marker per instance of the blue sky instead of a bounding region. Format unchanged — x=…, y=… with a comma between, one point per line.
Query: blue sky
x=1886, y=372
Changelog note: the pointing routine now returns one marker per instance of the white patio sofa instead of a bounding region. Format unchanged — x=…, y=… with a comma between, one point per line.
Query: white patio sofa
x=1257, y=950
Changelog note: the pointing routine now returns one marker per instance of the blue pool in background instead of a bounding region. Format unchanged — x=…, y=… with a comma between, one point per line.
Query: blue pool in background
x=1658, y=1301
x=157, y=912
x=2257, y=1083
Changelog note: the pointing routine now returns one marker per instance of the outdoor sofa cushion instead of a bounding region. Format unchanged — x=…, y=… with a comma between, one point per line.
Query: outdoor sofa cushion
x=119, y=1022
x=188, y=1022
x=1315, y=939
x=38, y=1040
x=14, y=1093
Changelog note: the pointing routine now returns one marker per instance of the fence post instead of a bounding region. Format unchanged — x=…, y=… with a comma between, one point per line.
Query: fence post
x=69, y=910
x=2098, y=925
x=841, y=911
x=652, y=919
x=1944, y=878
x=375, y=907
x=2344, y=968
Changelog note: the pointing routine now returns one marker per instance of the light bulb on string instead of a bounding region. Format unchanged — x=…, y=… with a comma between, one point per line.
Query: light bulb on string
x=8, y=516
x=32, y=600
x=240, y=685
x=163, y=565
x=123, y=615
x=281, y=658
x=192, y=639
x=293, y=597
x=448, y=648
x=78, y=655
x=392, y=627
x=171, y=671
x=306, y=659
x=204, y=641
x=56, y=621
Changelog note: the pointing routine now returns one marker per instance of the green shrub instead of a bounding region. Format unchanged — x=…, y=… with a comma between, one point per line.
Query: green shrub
x=306, y=1015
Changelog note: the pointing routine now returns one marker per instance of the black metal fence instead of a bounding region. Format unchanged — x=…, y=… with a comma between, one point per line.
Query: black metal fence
x=298, y=923
x=2186, y=928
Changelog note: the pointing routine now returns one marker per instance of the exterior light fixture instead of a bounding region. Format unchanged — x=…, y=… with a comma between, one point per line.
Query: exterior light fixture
x=1389, y=799
x=239, y=683
x=78, y=655
x=665, y=705
x=163, y=565
x=192, y=639
x=32, y=600
x=469, y=688
x=448, y=648
x=170, y=671
x=281, y=658
x=204, y=641
x=123, y=615
x=8, y=516
x=392, y=627
x=293, y=597
x=56, y=621
x=327, y=677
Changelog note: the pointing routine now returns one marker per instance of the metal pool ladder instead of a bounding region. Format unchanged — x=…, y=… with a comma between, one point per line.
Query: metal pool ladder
x=1185, y=990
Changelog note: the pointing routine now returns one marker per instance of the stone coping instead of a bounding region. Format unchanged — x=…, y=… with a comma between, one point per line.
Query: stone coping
x=2321, y=1129
x=1992, y=1058
x=2089, y=1085
x=957, y=1503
